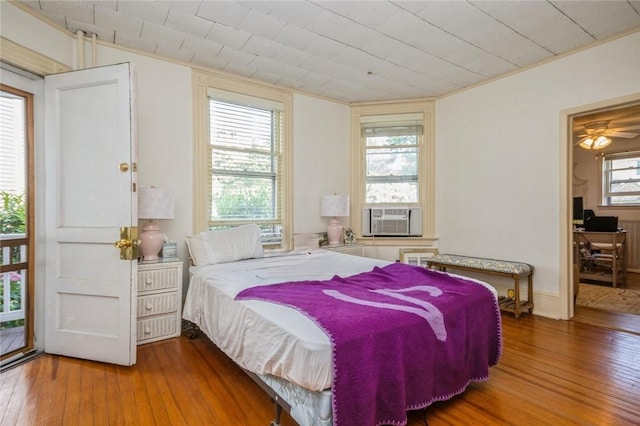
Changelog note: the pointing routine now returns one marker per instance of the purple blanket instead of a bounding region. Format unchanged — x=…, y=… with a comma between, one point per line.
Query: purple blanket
x=402, y=337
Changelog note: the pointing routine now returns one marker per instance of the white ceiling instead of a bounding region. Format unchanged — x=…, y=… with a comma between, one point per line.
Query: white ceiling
x=352, y=51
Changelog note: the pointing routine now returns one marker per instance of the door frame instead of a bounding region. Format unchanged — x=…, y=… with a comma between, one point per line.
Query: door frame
x=40, y=65
x=566, y=307
x=28, y=302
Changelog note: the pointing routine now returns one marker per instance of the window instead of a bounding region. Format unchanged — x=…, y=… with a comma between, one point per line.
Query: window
x=621, y=179
x=393, y=145
x=245, y=150
x=241, y=157
x=391, y=162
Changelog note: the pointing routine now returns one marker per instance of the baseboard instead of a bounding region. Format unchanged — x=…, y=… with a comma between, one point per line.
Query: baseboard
x=547, y=304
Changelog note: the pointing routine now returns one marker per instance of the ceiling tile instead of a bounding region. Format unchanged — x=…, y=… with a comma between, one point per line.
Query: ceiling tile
x=183, y=54
x=601, y=18
x=228, y=36
x=198, y=45
x=205, y=60
x=260, y=24
x=559, y=33
x=149, y=11
x=233, y=56
x=117, y=21
x=135, y=42
x=79, y=11
x=224, y=12
x=290, y=55
x=298, y=13
x=240, y=70
x=189, y=24
x=190, y=7
x=162, y=35
x=315, y=79
x=262, y=46
x=328, y=24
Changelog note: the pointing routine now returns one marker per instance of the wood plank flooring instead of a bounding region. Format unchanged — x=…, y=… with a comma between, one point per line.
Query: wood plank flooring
x=551, y=372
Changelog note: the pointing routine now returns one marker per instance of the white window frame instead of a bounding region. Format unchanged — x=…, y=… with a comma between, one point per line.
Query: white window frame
x=203, y=84
x=607, y=193
x=391, y=112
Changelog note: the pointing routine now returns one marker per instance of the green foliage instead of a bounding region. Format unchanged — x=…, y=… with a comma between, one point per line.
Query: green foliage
x=11, y=324
x=15, y=292
x=13, y=213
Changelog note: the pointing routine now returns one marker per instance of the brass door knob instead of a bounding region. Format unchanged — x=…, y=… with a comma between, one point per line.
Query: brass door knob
x=123, y=244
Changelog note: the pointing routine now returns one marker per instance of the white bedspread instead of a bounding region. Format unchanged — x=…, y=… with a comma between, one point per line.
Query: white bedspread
x=262, y=337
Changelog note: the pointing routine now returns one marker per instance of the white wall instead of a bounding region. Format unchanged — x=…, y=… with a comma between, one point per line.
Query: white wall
x=320, y=159
x=165, y=133
x=498, y=157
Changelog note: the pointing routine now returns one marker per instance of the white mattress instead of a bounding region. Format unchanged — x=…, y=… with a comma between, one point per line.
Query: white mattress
x=262, y=337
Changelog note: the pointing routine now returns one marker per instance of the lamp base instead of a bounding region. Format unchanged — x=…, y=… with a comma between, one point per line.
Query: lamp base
x=151, y=240
x=334, y=232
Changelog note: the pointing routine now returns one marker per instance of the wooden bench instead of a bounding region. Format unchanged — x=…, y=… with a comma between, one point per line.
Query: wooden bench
x=515, y=270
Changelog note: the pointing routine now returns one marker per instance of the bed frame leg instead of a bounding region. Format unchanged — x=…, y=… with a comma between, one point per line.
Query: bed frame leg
x=276, y=422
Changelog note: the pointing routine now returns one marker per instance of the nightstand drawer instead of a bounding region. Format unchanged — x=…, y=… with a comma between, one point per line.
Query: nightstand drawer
x=162, y=303
x=158, y=279
x=158, y=327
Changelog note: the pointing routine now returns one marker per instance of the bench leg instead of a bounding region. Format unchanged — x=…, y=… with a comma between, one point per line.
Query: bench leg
x=530, y=292
x=516, y=295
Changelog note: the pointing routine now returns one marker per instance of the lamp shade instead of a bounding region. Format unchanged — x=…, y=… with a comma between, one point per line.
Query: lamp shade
x=334, y=206
x=595, y=142
x=155, y=203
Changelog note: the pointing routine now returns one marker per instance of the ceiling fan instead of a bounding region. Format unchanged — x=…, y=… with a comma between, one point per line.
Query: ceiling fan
x=598, y=135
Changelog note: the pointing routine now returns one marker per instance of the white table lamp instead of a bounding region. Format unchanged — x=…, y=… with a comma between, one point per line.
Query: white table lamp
x=153, y=203
x=334, y=206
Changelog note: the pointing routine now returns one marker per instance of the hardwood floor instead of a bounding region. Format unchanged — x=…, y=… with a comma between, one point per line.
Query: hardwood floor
x=610, y=319
x=551, y=372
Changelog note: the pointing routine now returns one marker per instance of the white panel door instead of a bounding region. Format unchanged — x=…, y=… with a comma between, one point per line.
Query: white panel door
x=90, y=292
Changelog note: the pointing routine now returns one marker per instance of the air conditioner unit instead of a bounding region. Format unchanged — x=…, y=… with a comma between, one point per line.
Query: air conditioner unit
x=392, y=222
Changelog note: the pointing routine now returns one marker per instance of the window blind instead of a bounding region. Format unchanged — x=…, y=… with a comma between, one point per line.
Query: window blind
x=245, y=160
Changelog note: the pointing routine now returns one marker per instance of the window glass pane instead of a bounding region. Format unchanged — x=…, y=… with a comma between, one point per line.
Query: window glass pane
x=399, y=192
x=240, y=126
x=625, y=186
x=618, y=200
x=236, y=197
x=392, y=141
x=242, y=161
x=622, y=183
x=392, y=161
x=12, y=163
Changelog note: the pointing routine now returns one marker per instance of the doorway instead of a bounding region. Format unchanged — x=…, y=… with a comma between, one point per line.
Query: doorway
x=606, y=182
x=17, y=207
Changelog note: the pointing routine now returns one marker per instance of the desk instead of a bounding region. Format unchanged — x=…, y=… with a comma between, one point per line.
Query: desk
x=601, y=256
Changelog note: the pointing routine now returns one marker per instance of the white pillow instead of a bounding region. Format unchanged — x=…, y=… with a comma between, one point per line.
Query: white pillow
x=227, y=245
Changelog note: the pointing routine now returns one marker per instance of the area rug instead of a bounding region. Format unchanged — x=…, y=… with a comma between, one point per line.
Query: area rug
x=608, y=298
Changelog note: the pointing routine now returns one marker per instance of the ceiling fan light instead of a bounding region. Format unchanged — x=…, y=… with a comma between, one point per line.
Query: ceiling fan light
x=601, y=142
x=586, y=143
x=593, y=142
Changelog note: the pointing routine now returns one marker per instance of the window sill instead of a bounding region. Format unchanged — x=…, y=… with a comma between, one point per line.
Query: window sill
x=397, y=241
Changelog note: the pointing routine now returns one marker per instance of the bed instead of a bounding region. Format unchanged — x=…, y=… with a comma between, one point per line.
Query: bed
x=247, y=307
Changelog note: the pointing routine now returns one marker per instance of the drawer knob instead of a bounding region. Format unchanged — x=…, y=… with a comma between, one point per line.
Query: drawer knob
x=148, y=281
x=147, y=330
x=149, y=306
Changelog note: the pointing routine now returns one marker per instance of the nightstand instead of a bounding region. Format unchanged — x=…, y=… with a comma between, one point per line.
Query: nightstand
x=159, y=300
x=356, y=249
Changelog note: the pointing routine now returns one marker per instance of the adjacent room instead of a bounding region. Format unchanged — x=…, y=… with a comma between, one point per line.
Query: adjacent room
x=320, y=212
